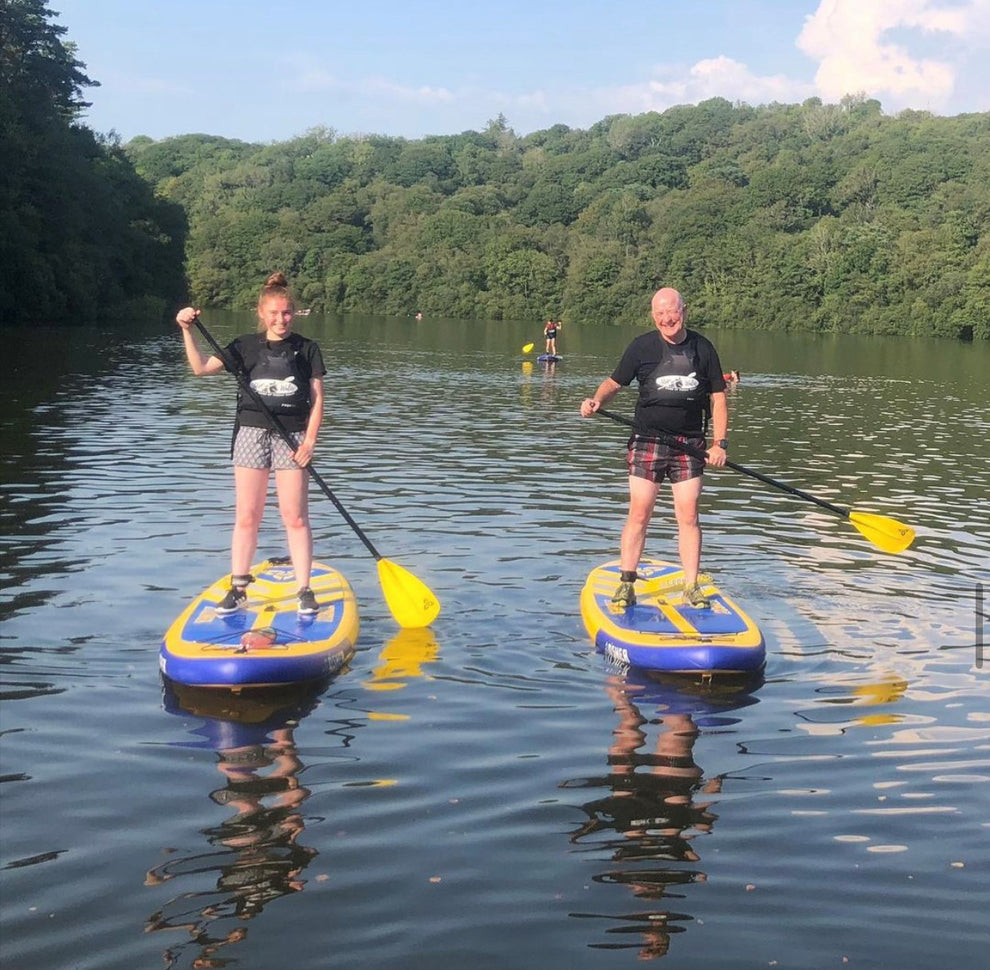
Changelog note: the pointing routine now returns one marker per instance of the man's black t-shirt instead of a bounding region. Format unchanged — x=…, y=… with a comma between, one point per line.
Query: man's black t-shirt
x=675, y=381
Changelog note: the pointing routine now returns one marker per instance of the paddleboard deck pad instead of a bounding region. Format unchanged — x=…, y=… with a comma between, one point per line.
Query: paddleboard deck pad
x=663, y=632
x=267, y=642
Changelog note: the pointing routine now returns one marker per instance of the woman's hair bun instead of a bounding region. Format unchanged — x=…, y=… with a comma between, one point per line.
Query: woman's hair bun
x=277, y=279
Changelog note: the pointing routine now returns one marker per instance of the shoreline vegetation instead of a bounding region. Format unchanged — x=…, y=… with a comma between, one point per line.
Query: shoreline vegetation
x=812, y=217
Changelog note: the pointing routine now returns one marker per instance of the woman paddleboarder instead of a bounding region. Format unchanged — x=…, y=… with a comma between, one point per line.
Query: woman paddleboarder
x=286, y=370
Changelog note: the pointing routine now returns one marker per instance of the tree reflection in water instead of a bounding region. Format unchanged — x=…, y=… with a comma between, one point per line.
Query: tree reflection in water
x=656, y=804
x=256, y=853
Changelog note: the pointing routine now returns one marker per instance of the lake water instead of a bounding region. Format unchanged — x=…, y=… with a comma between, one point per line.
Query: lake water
x=491, y=793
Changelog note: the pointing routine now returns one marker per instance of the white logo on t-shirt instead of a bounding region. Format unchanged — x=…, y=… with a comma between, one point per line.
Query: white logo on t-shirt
x=275, y=387
x=677, y=382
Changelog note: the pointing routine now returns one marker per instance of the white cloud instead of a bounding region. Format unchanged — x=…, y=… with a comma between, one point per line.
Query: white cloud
x=314, y=79
x=710, y=78
x=424, y=94
x=722, y=76
x=852, y=42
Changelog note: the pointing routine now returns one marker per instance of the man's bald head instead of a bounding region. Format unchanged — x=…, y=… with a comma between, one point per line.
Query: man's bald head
x=667, y=309
x=667, y=297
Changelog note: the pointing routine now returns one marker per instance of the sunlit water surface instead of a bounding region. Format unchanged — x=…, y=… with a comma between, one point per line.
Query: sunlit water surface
x=491, y=793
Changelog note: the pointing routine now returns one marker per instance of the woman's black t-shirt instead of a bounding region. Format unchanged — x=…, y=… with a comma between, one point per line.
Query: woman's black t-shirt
x=280, y=372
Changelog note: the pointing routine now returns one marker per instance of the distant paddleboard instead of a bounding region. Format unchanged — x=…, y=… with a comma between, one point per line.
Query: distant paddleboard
x=549, y=358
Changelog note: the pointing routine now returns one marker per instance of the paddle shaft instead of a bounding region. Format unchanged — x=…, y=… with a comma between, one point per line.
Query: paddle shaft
x=668, y=439
x=279, y=428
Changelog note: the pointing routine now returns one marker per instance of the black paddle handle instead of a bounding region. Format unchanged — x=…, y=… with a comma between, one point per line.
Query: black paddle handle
x=280, y=429
x=670, y=440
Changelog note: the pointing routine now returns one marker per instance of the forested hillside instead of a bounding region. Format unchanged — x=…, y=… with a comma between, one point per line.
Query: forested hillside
x=82, y=236
x=824, y=217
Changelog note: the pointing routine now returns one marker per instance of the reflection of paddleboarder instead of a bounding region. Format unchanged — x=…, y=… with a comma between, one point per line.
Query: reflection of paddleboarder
x=254, y=854
x=550, y=331
x=648, y=818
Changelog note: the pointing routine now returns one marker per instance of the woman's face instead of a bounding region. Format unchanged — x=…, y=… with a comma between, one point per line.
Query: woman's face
x=275, y=313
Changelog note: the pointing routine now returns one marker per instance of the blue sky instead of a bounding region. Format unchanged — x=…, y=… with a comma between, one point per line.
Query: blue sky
x=264, y=71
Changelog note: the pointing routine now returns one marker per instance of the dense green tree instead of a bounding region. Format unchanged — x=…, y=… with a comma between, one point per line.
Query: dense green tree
x=619, y=216
x=428, y=161
x=81, y=234
x=381, y=283
x=547, y=202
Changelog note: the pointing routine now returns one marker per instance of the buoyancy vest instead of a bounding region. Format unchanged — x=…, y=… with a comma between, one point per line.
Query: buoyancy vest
x=678, y=381
x=279, y=372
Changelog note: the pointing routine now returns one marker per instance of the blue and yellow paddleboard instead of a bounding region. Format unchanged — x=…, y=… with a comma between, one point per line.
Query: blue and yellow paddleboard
x=268, y=642
x=662, y=632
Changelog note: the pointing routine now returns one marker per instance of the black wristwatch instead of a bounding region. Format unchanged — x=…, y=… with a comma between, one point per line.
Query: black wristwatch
x=722, y=443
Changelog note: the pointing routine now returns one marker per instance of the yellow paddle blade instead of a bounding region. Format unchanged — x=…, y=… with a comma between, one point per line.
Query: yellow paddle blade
x=527, y=348
x=887, y=534
x=411, y=601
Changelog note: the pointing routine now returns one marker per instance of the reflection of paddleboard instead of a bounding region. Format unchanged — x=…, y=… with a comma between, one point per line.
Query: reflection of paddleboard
x=549, y=358
x=268, y=642
x=707, y=701
x=232, y=719
x=662, y=632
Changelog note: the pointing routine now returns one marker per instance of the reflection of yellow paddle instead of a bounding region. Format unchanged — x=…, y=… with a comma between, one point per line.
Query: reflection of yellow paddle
x=411, y=602
x=527, y=348
x=402, y=658
x=886, y=534
x=885, y=692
